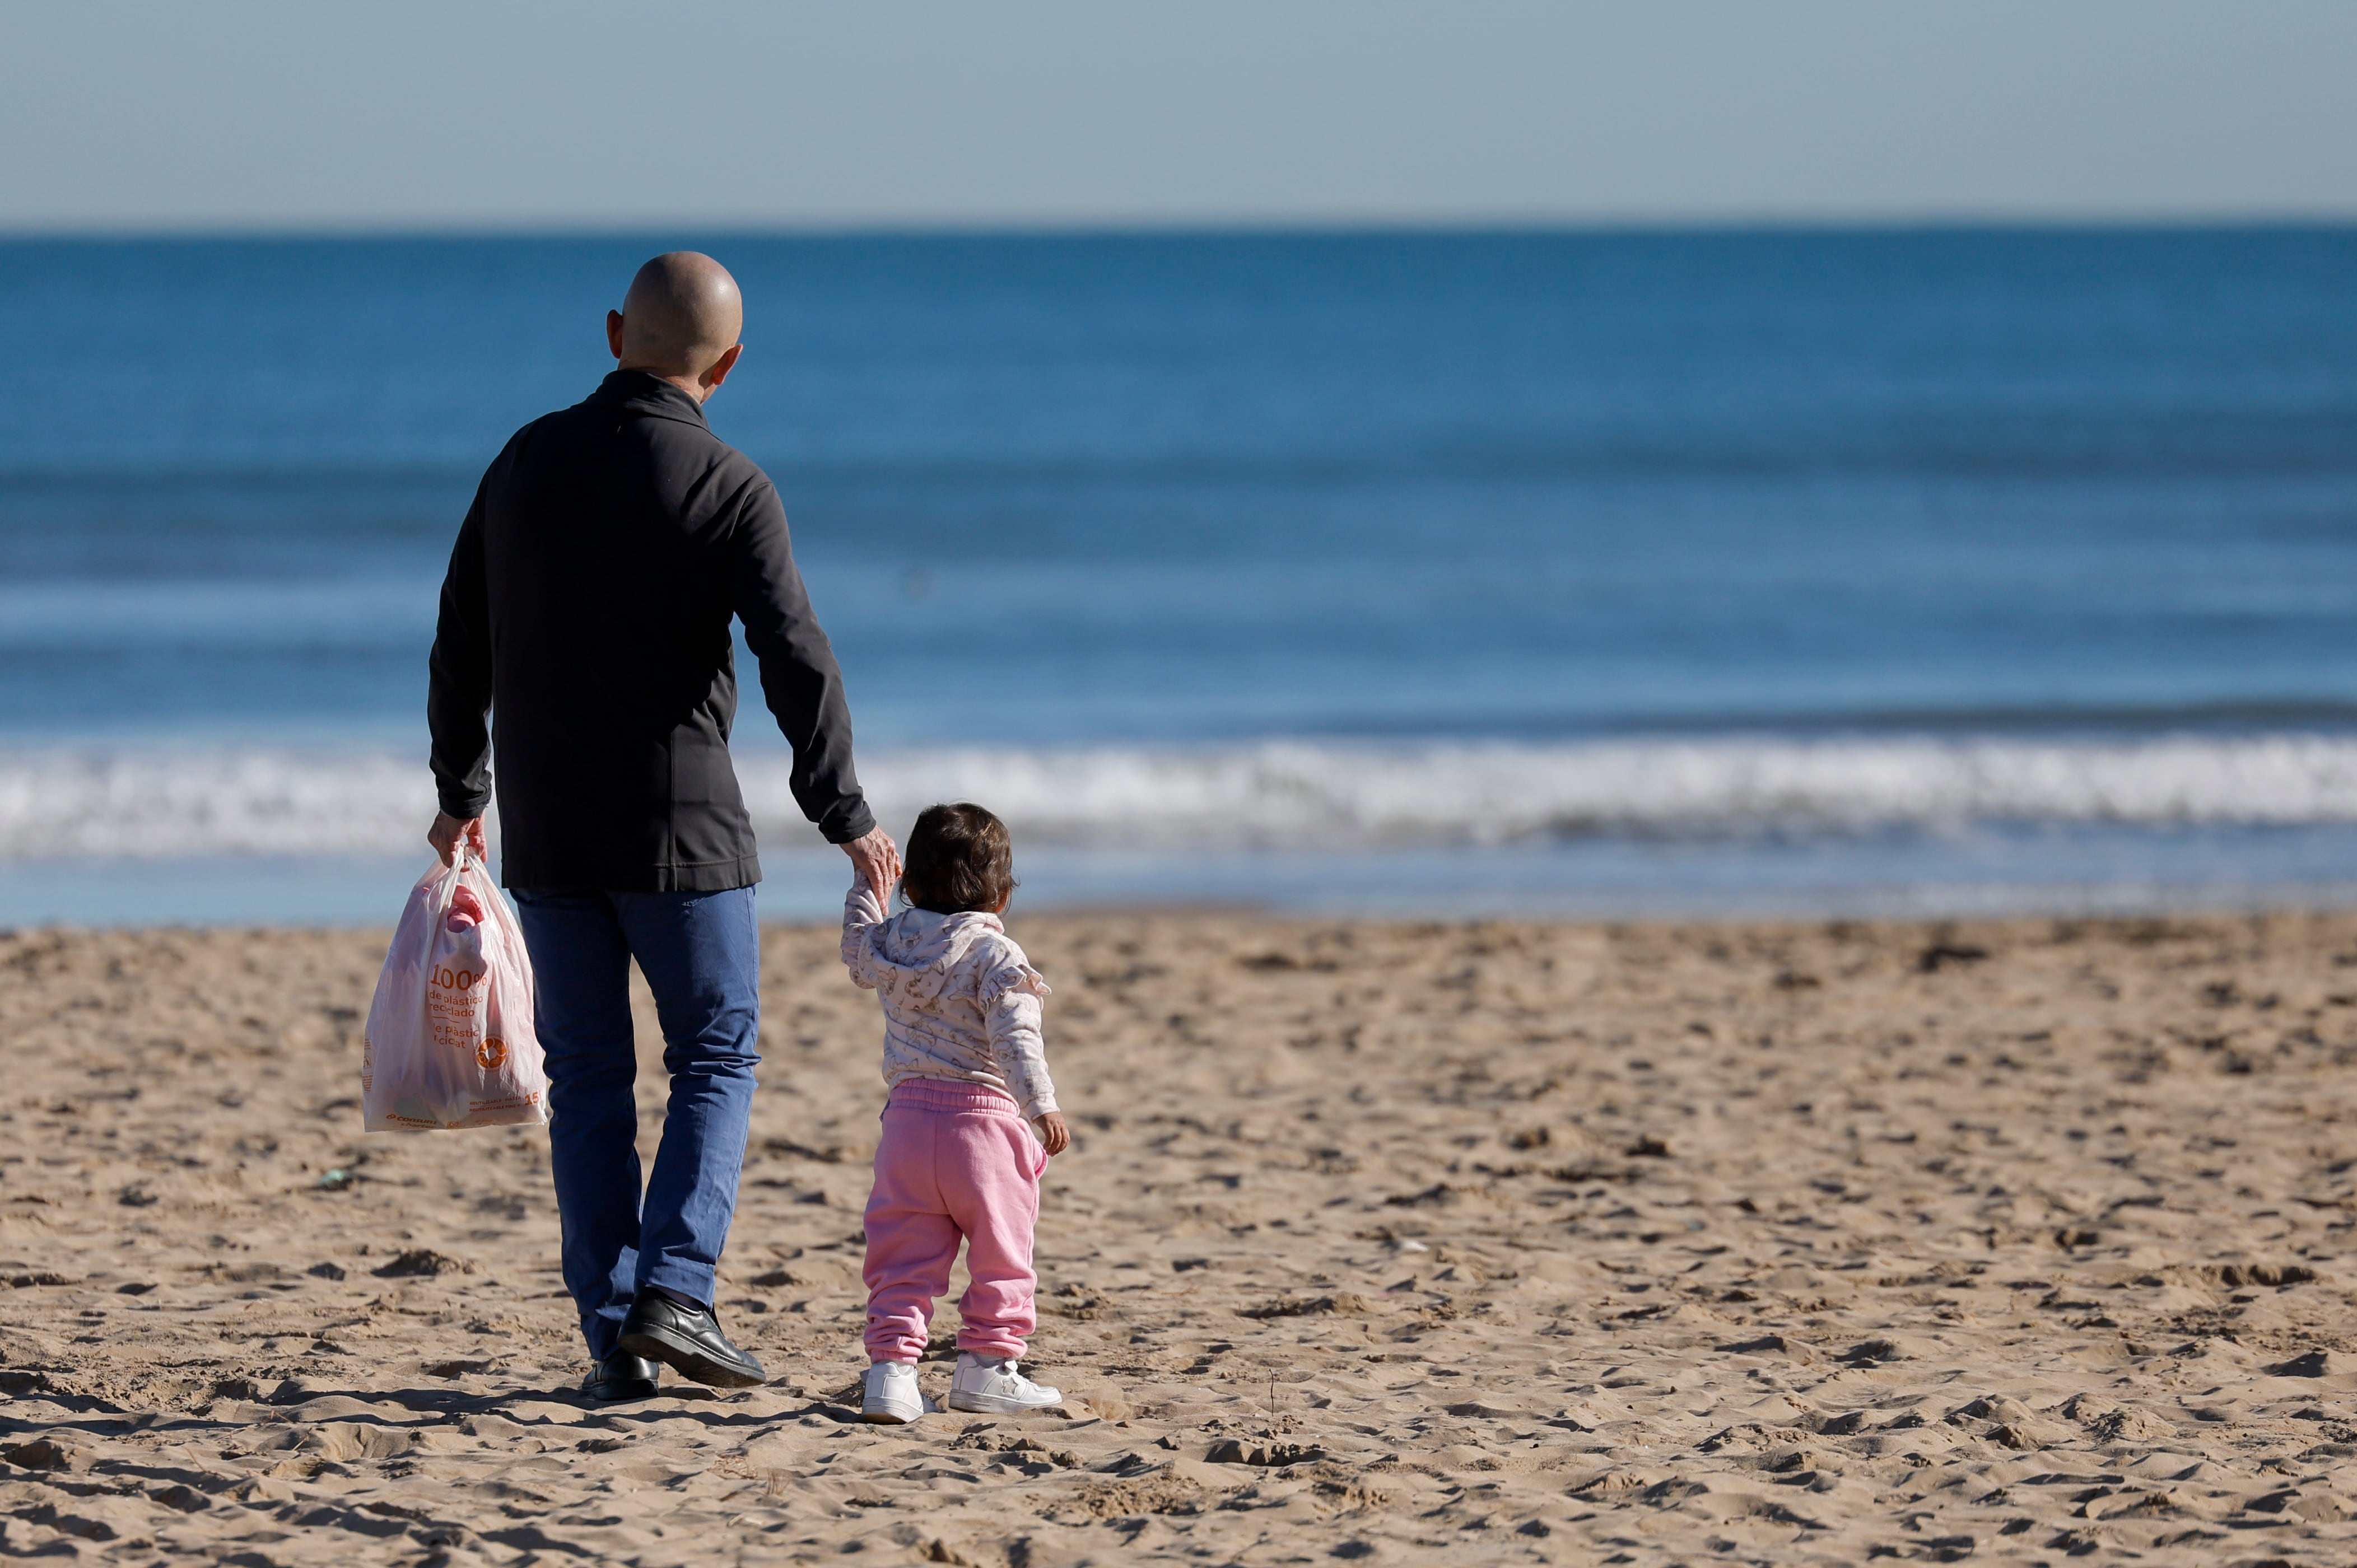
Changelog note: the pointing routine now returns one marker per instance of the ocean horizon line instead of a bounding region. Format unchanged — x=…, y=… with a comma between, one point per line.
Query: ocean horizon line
x=1295, y=226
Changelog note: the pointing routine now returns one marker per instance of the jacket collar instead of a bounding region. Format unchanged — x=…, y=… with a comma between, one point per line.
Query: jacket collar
x=644, y=393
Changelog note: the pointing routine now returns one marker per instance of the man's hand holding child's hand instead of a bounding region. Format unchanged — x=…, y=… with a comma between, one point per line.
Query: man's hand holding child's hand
x=1053, y=1132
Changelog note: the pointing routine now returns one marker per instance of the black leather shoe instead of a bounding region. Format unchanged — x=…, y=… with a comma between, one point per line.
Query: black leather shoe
x=688, y=1340
x=621, y=1376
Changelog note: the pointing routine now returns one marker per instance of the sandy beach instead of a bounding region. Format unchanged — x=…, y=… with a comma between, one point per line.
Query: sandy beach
x=1645, y=1244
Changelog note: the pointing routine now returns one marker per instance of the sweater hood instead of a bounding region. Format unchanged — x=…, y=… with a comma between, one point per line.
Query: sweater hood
x=910, y=956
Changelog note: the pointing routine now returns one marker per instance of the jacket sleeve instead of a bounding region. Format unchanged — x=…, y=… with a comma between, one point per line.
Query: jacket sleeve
x=861, y=914
x=799, y=676
x=459, y=687
x=1009, y=996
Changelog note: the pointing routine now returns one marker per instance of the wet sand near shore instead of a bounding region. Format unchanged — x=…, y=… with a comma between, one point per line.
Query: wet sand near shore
x=2015, y=1242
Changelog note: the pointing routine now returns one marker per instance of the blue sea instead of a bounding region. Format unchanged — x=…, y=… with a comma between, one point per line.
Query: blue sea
x=1579, y=573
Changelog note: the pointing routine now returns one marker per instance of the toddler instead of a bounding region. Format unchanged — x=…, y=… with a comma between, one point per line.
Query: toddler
x=966, y=1071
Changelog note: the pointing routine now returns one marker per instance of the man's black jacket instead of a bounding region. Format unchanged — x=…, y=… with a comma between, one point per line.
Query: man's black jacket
x=586, y=609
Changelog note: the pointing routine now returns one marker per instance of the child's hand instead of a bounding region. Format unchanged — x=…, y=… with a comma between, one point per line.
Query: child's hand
x=1053, y=1132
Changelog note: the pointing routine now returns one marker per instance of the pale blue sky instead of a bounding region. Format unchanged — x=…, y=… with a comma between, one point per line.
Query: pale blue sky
x=291, y=114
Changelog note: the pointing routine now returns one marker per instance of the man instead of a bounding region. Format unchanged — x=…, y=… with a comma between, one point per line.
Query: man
x=586, y=614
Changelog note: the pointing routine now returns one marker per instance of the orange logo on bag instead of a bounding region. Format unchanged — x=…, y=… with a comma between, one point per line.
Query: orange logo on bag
x=450, y=978
x=491, y=1053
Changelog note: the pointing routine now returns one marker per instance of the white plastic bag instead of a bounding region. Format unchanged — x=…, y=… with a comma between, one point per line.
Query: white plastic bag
x=450, y=1040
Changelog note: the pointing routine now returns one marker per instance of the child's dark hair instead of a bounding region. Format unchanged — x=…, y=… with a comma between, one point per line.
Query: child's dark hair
x=960, y=858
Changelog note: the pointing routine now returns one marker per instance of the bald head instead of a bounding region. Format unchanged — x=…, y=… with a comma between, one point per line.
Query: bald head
x=680, y=321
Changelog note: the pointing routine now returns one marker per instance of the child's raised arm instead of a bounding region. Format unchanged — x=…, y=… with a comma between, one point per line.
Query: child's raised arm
x=861, y=913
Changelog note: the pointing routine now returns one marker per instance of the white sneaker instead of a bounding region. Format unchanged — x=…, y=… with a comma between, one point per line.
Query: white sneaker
x=985, y=1385
x=892, y=1398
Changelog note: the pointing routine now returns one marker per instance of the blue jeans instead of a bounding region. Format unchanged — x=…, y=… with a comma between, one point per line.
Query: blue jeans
x=701, y=953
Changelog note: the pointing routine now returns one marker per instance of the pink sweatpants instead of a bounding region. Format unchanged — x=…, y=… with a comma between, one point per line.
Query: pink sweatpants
x=956, y=1161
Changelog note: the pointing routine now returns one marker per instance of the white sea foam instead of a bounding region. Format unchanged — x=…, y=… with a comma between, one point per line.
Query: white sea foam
x=133, y=801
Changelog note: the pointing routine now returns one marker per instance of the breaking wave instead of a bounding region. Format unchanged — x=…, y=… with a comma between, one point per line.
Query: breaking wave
x=135, y=801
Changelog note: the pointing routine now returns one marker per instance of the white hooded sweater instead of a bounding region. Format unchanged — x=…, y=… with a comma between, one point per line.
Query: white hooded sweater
x=960, y=1002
